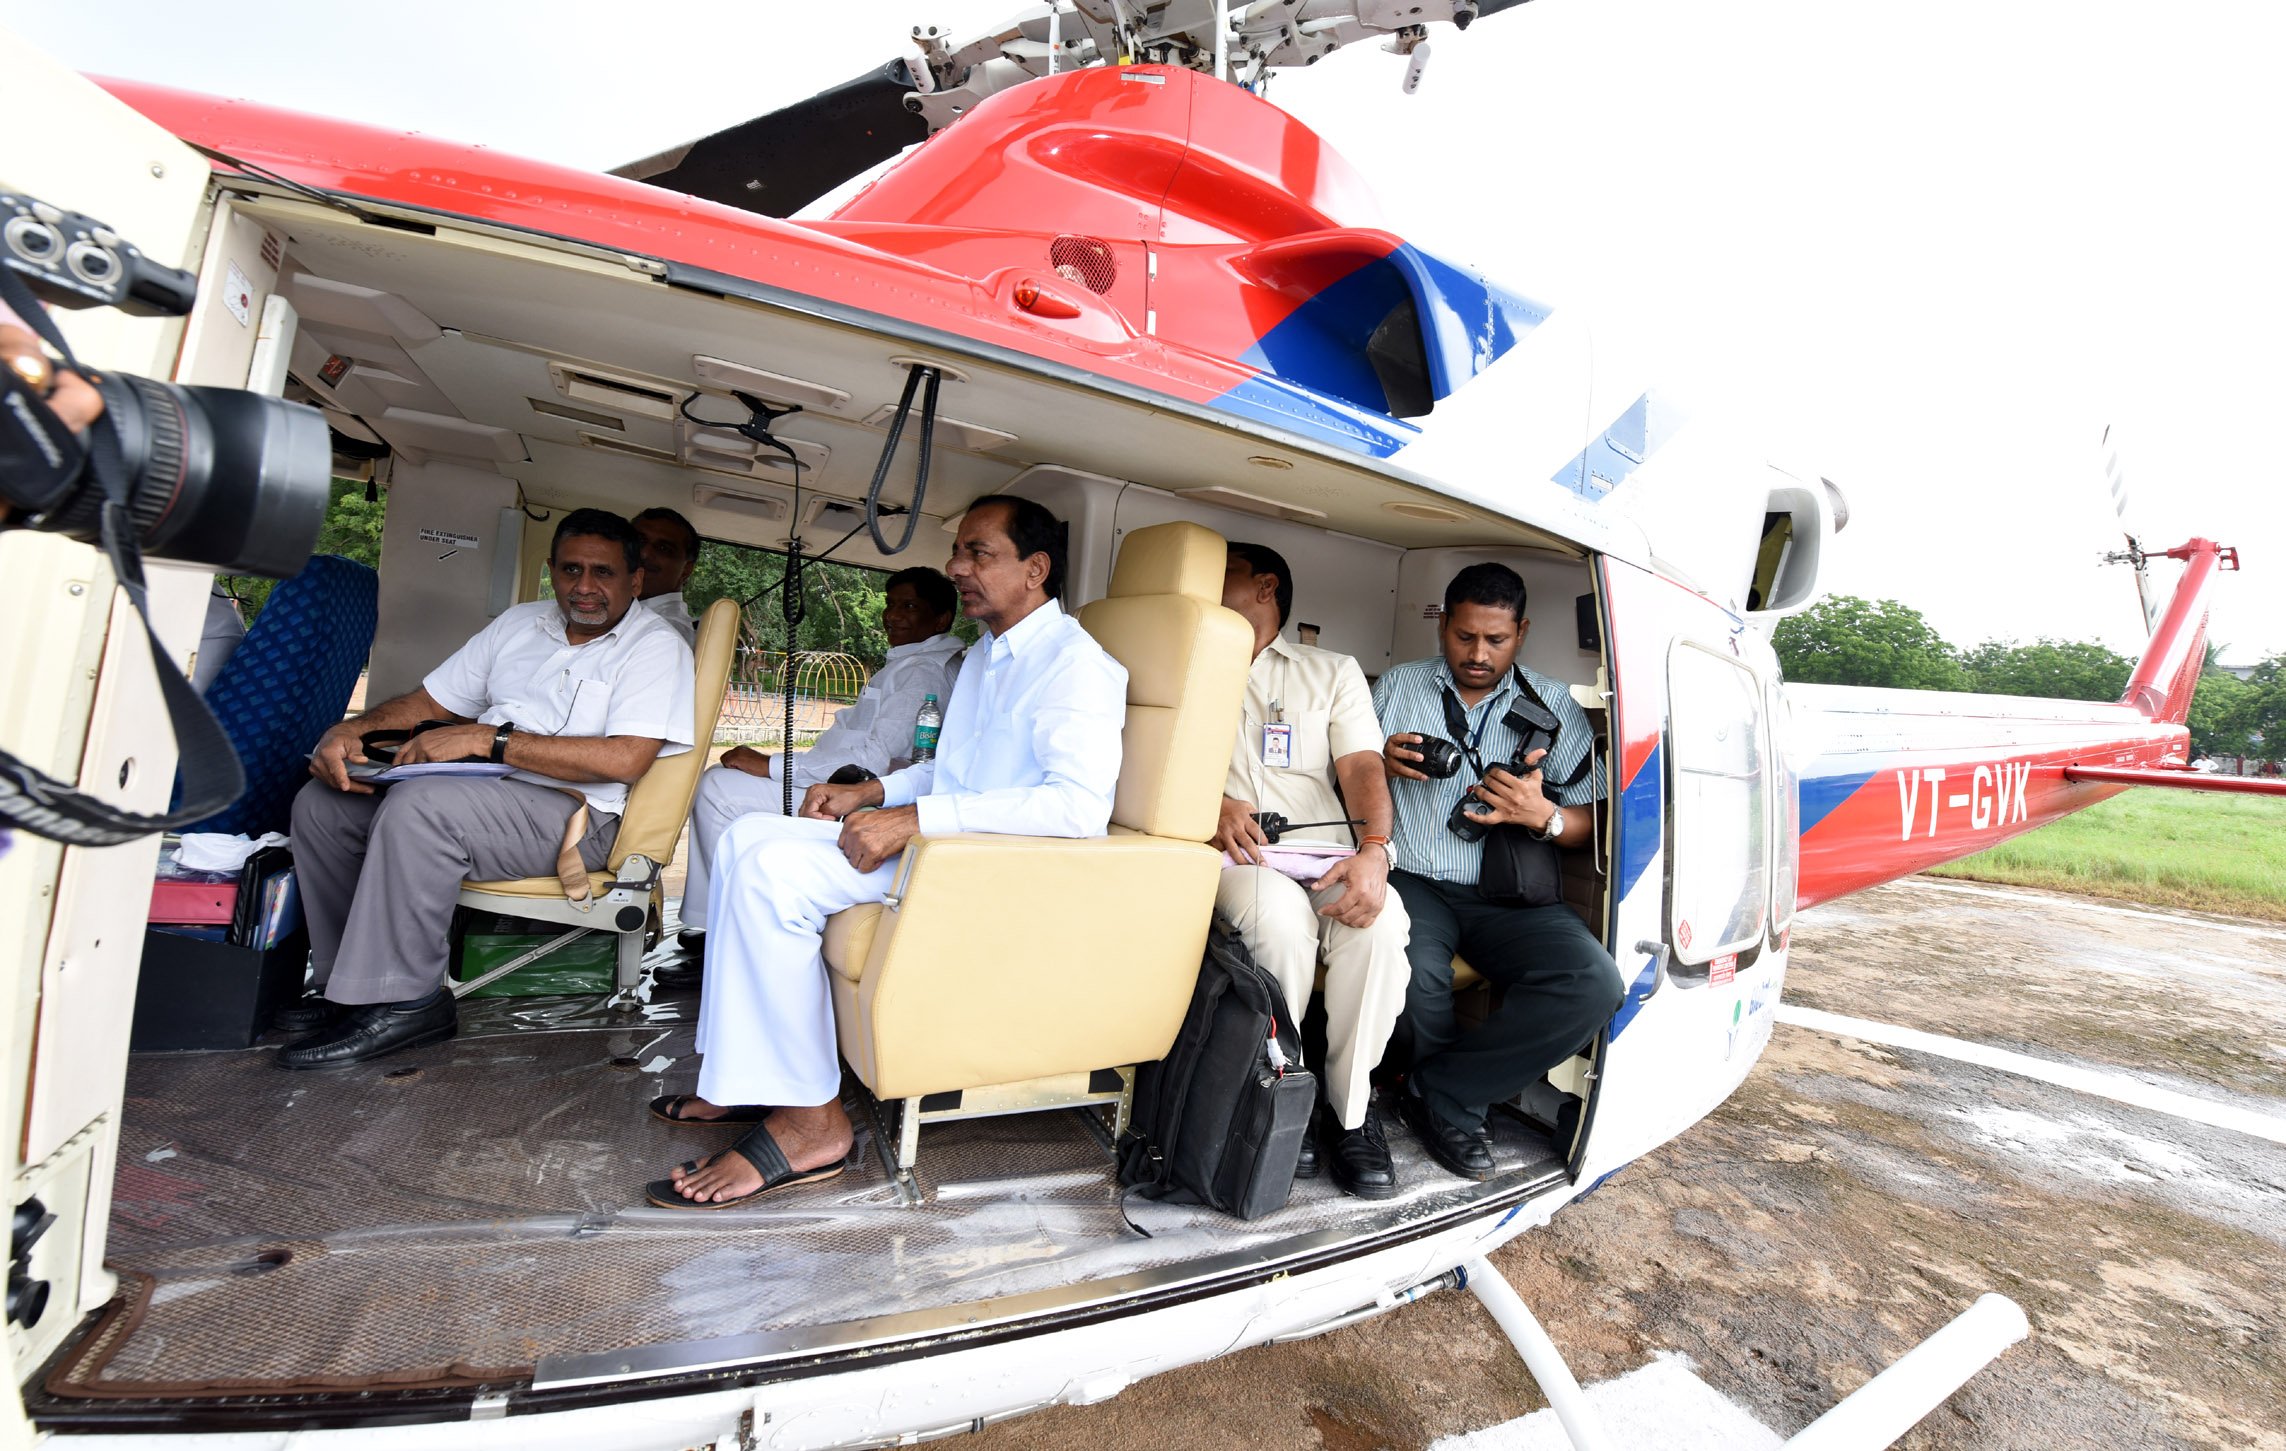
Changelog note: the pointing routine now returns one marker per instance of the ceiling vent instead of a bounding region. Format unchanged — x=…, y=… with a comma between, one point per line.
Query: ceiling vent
x=1089, y=261
x=758, y=506
x=1246, y=503
x=632, y=450
x=770, y=387
x=587, y=416
x=728, y=451
x=951, y=432
x=643, y=398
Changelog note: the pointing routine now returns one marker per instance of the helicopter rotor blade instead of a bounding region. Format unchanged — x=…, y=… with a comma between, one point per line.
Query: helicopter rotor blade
x=778, y=163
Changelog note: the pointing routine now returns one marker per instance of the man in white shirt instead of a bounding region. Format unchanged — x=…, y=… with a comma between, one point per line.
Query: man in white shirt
x=873, y=734
x=670, y=553
x=1309, y=749
x=1031, y=746
x=578, y=694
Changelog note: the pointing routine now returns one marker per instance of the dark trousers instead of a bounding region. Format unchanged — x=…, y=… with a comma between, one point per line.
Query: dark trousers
x=1560, y=987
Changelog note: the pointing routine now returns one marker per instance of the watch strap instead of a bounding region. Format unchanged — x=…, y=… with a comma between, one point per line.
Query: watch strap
x=500, y=740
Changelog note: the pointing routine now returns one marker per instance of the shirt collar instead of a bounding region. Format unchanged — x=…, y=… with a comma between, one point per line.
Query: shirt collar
x=934, y=644
x=552, y=624
x=1031, y=628
x=1280, y=645
x=1446, y=682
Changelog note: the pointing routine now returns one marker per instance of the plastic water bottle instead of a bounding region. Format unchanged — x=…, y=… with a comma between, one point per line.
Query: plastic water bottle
x=925, y=728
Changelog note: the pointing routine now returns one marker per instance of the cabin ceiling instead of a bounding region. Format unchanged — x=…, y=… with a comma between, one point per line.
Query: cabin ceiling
x=563, y=371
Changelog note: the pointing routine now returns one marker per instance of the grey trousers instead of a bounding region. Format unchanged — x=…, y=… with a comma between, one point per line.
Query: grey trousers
x=380, y=874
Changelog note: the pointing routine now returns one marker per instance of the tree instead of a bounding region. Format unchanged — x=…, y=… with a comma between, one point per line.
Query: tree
x=352, y=529
x=1843, y=640
x=2216, y=707
x=842, y=603
x=2052, y=669
x=2260, y=716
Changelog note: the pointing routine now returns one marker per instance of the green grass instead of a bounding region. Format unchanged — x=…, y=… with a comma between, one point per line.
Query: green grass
x=2170, y=848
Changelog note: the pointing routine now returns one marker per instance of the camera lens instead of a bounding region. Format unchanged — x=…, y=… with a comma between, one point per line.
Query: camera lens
x=92, y=264
x=216, y=476
x=33, y=239
x=1440, y=758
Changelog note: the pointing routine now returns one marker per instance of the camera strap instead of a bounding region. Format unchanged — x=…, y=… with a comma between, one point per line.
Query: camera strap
x=211, y=775
x=1456, y=722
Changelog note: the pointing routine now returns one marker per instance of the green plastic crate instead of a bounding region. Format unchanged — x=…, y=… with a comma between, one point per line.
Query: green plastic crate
x=583, y=967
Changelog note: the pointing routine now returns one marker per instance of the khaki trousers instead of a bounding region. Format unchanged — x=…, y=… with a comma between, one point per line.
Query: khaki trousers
x=1366, y=972
x=380, y=874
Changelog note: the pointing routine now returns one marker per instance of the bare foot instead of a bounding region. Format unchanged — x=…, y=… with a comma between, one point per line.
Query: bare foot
x=810, y=1138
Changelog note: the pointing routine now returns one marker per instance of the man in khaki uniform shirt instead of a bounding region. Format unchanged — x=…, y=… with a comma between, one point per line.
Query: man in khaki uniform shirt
x=1309, y=724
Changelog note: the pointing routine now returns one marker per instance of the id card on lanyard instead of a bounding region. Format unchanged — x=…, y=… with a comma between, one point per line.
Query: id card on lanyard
x=1278, y=745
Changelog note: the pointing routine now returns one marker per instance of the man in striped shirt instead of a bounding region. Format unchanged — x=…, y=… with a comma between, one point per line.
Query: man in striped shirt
x=1560, y=984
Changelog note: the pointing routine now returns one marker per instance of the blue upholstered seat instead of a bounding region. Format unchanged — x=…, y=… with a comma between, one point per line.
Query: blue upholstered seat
x=289, y=680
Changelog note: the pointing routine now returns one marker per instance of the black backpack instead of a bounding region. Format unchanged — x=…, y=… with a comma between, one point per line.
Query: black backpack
x=1219, y=1120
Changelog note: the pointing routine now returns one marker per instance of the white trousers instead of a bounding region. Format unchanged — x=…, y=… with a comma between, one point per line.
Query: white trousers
x=1366, y=972
x=766, y=1010
x=725, y=793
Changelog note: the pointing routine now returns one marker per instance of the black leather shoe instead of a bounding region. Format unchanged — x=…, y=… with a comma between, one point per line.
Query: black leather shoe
x=375, y=1029
x=1360, y=1156
x=1457, y=1150
x=312, y=1012
x=692, y=941
x=1306, y=1165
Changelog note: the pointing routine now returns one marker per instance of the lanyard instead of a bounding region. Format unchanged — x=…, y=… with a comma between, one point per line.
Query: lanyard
x=1456, y=721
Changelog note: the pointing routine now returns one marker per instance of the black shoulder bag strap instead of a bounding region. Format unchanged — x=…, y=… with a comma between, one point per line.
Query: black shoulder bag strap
x=211, y=775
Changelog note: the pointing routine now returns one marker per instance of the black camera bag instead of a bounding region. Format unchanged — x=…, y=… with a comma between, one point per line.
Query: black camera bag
x=1519, y=870
x=1219, y=1120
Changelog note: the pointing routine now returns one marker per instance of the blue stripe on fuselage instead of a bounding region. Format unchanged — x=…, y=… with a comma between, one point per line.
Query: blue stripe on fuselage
x=1641, y=807
x=1822, y=794
x=1323, y=346
x=1642, y=810
x=1266, y=399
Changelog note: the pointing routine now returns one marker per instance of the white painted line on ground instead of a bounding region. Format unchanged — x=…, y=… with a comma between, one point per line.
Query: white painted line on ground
x=2117, y=1087
x=1663, y=1404
x=2080, y=904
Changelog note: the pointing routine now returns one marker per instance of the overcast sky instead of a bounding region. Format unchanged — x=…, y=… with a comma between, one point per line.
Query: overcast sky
x=1927, y=251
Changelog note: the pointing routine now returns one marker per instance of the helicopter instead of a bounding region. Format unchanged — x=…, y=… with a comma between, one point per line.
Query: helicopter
x=1149, y=297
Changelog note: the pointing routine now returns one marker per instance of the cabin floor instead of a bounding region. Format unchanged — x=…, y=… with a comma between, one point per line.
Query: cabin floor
x=462, y=1213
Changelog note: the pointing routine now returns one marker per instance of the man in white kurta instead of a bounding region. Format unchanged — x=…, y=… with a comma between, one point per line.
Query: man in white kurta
x=1031, y=746
x=1309, y=749
x=876, y=733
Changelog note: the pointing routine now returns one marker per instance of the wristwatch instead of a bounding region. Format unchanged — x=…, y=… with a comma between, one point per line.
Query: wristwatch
x=500, y=740
x=1388, y=852
x=1555, y=826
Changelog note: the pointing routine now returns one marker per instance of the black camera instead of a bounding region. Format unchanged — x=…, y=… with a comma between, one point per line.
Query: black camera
x=214, y=476
x=76, y=261
x=1440, y=758
x=1535, y=727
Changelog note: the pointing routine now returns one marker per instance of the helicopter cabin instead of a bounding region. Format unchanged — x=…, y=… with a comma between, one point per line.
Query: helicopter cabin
x=471, y=1213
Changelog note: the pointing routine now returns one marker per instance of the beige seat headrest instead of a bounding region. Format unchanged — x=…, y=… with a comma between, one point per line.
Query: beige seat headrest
x=1180, y=558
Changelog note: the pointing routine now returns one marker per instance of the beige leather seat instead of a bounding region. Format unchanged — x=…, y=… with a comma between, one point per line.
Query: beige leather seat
x=626, y=893
x=1006, y=973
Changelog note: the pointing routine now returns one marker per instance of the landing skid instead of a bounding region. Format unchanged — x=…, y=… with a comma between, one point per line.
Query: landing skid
x=1876, y=1414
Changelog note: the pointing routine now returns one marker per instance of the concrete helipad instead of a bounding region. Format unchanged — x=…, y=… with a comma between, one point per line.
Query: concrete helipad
x=2074, y=1104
